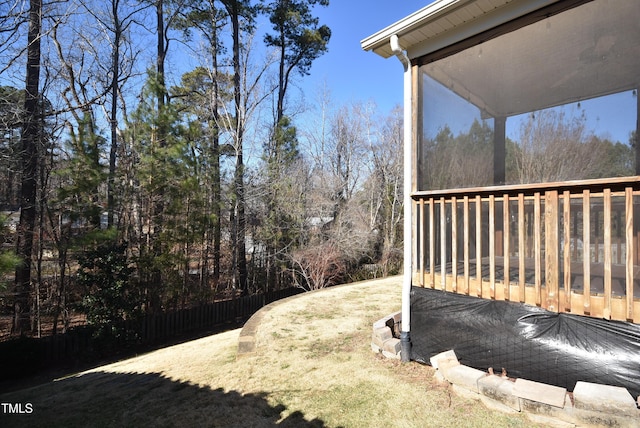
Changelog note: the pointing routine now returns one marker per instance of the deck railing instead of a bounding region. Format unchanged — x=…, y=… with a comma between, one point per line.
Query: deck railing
x=567, y=247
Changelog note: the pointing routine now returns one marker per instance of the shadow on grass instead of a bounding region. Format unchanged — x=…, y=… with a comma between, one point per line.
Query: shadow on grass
x=20, y=369
x=104, y=399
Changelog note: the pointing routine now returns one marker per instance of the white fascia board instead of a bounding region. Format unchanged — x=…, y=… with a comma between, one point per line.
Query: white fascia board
x=483, y=23
x=381, y=38
x=379, y=42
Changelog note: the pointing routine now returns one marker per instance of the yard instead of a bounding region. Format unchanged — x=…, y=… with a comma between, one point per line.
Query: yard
x=313, y=366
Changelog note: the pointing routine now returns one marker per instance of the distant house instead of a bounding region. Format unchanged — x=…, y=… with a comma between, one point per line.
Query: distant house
x=521, y=158
x=12, y=219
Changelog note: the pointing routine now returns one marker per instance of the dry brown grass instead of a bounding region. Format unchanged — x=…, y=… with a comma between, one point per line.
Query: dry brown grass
x=313, y=367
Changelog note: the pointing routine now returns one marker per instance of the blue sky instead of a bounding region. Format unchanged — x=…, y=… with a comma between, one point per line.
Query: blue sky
x=350, y=72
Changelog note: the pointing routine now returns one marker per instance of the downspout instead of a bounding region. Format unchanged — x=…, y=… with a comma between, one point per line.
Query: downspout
x=405, y=336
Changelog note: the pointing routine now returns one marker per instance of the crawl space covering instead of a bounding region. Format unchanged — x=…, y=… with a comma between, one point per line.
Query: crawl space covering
x=527, y=341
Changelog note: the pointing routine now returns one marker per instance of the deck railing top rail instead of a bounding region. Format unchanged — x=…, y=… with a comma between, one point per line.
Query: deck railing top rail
x=594, y=185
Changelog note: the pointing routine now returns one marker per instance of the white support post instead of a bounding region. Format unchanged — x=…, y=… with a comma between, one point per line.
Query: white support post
x=405, y=337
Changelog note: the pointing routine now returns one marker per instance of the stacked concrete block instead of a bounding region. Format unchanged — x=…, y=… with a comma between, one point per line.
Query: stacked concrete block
x=496, y=392
x=385, y=335
x=590, y=405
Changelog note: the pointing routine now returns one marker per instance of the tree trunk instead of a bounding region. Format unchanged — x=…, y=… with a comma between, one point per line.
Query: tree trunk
x=216, y=185
x=30, y=141
x=239, y=215
x=115, y=70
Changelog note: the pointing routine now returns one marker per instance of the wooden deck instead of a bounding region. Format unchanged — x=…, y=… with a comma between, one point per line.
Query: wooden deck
x=567, y=247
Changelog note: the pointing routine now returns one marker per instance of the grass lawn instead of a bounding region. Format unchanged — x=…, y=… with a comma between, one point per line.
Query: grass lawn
x=313, y=367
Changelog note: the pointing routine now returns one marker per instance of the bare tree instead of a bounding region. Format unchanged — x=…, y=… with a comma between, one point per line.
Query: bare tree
x=347, y=152
x=114, y=23
x=554, y=147
x=318, y=266
x=384, y=188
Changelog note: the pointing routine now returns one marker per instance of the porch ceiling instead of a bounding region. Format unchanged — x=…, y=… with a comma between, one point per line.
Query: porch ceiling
x=538, y=71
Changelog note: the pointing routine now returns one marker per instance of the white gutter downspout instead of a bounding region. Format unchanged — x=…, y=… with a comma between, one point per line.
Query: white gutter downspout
x=405, y=337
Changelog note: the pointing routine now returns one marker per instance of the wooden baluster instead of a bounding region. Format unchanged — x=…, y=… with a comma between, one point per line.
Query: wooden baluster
x=607, y=254
x=422, y=241
x=628, y=199
x=586, y=245
x=596, y=235
x=552, y=265
x=537, y=247
x=432, y=243
x=443, y=243
x=522, y=273
x=567, y=249
x=454, y=243
x=574, y=235
x=479, y=245
x=618, y=237
x=465, y=225
x=507, y=248
x=492, y=245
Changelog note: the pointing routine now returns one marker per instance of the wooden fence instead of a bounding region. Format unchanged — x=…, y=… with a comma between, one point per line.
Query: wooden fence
x=79, y=344
x=567, y=247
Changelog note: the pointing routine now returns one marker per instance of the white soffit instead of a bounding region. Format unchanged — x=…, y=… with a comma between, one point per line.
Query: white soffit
x=445, y=22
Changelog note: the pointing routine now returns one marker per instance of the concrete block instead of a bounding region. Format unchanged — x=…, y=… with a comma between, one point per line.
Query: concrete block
x=499, y=389
x=246, y=345
x=375, y=348
x=380, y=335
x=392, y=346
x=540, y=392
x=445, y=365
x=539, y=408
x=604, y=398
x=381, y=323
x=497, y=406
x=439, y=377
x=446, y=355
x=387, y=321
x=391, y=355
x=464, y=376
x=592, y=418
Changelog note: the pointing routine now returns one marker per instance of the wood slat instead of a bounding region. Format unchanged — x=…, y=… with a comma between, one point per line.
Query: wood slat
x=552, y=265
x=628, y=204
x=506, y=245
x=607, y=253
x=454, y=243
x=537, y=246
x=421, y=240
x=443, y=243
x=432, y=242
x=492, y=245
x=521, y=247
x=465, y=225
x=586, y=252
x=566, y=195
x=478, y=246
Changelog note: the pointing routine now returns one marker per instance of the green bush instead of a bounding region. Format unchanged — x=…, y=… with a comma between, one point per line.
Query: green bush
x=110, y=296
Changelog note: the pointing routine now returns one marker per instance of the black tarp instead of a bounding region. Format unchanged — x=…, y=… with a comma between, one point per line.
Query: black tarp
x=527, y=341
